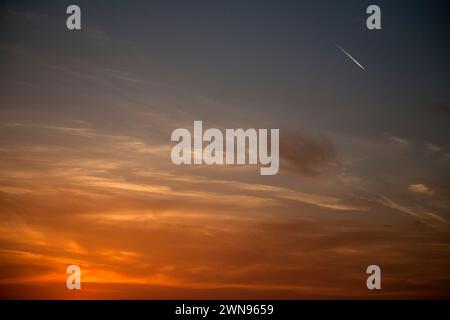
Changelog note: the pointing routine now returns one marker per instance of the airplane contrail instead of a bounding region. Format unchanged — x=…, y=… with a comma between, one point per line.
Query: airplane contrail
x=350, y=56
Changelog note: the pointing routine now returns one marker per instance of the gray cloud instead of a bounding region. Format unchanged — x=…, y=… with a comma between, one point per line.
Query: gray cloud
x=441, y=109
x=306, y=155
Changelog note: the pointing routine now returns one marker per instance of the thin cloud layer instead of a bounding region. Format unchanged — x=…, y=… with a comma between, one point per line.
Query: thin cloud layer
x=306, y=155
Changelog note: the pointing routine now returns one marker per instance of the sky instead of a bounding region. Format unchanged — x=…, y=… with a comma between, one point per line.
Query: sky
x=86, y=176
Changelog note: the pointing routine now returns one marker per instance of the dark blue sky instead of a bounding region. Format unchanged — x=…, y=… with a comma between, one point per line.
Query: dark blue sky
x=278, y=54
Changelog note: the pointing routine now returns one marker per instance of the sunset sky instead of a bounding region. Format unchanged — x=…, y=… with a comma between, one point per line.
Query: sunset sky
x=86, y=176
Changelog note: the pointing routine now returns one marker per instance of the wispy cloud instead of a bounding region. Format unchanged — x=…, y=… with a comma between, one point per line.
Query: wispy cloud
x=396, y=139
x=420, y=188
x=307, y=155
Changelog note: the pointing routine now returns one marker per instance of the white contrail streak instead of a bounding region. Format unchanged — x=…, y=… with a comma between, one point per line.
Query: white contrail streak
x=350, y=56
